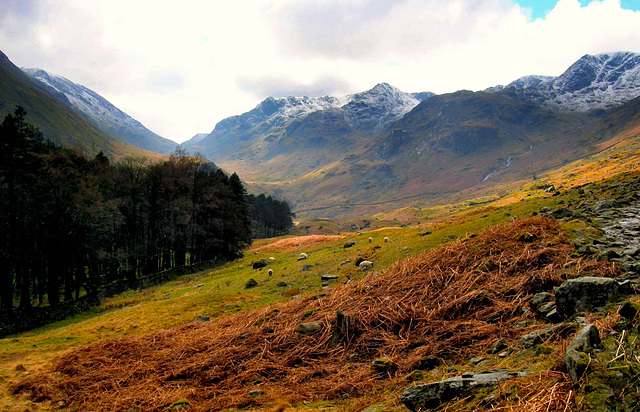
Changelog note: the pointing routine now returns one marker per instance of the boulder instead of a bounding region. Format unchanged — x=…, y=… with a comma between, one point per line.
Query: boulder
x=562, y=213
x=329, y=277
x=428, y=363
x=349, y=244
x=584, y=294
x=260, y=264
x=539, y=336
x=577, y=356
x=383, y=367
x=251, y=283
x=309, y=328
x=202, y=318
x=432, y=395
x=629, y=310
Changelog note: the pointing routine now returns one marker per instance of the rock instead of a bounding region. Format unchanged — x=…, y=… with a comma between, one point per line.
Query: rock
x=329, y=277
x=432, y=395
x=251, y=283
x=538, y=336
x=539, y=300
x=498, y=346
x=20, y=368
x=260, y=264
x=281, y=284
x=309, y=328
x=202, y=318
x=305, y=268
x=577, y=357
x=545, y=209
x=562, y=213
x=348, y=245
x=605, y=204
x=629, y=310
x=179, y=405
x=255, y=393
x=584, y=294
x=428, y=363
x=383, y=367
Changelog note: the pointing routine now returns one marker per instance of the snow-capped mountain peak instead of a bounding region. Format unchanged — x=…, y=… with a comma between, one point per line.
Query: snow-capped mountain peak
x=593, y=82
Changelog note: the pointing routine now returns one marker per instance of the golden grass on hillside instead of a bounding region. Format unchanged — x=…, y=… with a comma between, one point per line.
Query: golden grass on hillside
x=452, y=302
x=296, y=242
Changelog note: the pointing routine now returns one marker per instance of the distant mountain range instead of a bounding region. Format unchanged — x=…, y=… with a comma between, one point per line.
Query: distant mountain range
x=376, y=149
x=331, y=153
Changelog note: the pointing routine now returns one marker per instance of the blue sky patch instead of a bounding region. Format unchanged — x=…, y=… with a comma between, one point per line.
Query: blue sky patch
x=540, y=8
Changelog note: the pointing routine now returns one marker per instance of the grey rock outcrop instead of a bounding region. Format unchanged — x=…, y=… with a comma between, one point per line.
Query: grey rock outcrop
x=432, y=395
x=585, y=294
x=577, y=356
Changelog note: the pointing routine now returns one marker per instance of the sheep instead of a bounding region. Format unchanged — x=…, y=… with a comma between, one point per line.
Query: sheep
x=270, y=272
x=302, y=256
x=370, y=239
x=385, y=240
x=272, y=259
x=365, y=265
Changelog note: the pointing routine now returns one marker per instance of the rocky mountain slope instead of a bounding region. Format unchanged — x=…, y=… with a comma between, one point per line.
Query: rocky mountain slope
x=593, y=82
x=54, y=117
x=104, y=115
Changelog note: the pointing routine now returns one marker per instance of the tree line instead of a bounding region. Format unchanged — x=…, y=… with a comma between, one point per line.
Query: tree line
x=269, y=217
x=69, y=224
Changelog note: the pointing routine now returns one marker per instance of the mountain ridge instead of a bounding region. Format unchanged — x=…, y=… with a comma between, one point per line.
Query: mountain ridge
x=104, y=115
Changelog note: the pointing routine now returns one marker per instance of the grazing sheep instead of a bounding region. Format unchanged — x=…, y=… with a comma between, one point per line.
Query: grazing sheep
x=272, y=259
x=386, y=239
x=270, y=272
x=302, y=256
x=365, y=265
x=370, y=239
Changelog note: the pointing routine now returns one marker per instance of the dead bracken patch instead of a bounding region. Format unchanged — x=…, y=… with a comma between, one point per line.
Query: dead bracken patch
x=451, y=302
x=296, y=242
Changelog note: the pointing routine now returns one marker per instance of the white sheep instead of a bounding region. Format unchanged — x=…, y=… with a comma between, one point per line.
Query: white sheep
x=302, y=256
x=365, y=265
x=385, y=240
x=272, y=259
x=270, y=272
x=370, y=239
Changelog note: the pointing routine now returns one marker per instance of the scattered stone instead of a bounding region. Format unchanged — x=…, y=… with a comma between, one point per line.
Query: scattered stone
x=428, y=363
x=584, y=294
x=383, y=367
x=432, y=395
x=281, y=284
x=260, y=264
x=305, y=268
x=562, y=213
x=577, y=356
x=348, y=245
x=537, y=337
x=329, y=277
x=251, y=283
x=539, y=300
x=198, y=286
x=477, y=360
x=629, y=310
x=309, y=328
x=202, y=318
x=20, y=368
x=498, y=346
x=545, y=209
x=255, y=393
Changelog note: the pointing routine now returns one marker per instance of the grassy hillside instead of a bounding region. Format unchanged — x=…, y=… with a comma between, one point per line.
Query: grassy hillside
x=58, y=123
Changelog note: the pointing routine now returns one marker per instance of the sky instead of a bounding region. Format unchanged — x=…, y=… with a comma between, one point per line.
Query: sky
x=181, y=67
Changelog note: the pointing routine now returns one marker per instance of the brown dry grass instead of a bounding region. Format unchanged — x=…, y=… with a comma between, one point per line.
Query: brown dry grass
x=451, y=302
x=297, y=242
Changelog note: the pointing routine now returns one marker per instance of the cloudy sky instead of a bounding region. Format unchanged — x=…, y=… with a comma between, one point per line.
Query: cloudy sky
x=180, y=67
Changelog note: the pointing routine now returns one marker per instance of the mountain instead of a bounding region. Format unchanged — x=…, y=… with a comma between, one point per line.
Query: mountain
x=454, y=146
x=593, y=82
x=101, y=113
x=284, y=138
x=54, y=118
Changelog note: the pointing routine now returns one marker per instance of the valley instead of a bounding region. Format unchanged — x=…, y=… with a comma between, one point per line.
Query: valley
x=467, y=251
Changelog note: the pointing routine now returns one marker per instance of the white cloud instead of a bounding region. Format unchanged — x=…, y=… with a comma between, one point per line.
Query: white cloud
x=179, y=68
